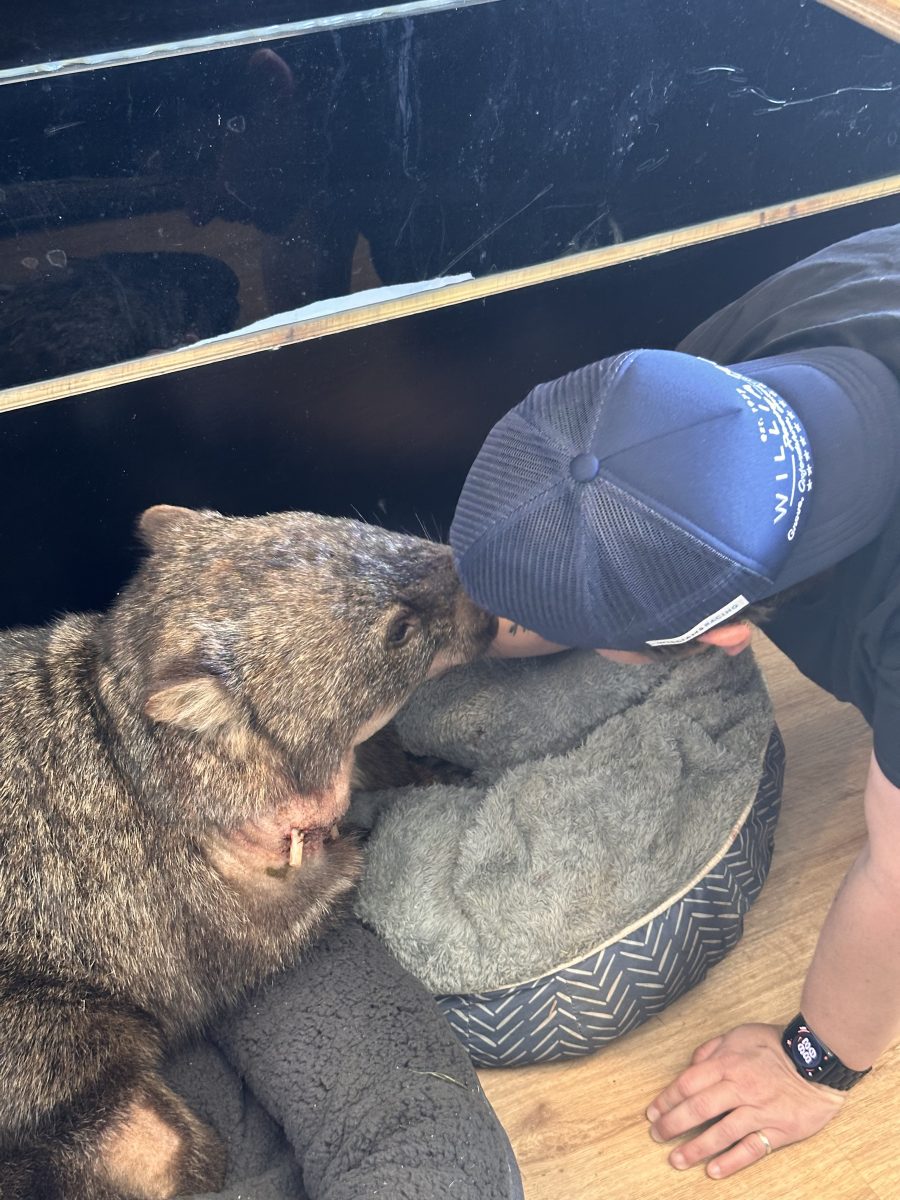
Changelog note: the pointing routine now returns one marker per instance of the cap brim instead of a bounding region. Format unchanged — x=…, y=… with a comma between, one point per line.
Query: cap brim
x=852, y=420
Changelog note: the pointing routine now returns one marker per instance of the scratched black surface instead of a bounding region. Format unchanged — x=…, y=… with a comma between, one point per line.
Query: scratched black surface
x=381, y=422
x=477, y=139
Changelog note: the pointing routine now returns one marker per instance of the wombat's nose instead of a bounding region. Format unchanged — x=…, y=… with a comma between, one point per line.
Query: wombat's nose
x=477, y=617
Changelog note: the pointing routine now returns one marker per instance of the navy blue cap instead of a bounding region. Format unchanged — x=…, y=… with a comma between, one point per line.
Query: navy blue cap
x=647, y=497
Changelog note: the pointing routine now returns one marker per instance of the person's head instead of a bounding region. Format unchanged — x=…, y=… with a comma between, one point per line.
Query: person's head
x=655, y=499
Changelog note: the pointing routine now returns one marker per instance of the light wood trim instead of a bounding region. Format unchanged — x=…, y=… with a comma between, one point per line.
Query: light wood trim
x=128, y=56
x=459, y=293
x=881, y=15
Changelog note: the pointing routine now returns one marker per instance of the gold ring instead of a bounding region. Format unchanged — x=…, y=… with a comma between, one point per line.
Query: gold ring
x=765, y=1141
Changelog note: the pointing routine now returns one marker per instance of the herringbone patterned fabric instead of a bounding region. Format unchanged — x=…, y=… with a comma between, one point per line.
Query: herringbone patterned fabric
x=577, y=1009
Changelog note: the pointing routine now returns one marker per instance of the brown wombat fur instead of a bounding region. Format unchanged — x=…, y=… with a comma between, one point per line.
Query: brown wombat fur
x=153, y=762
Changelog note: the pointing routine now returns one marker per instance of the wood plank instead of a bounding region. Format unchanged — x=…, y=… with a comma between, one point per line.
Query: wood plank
x=578, y=1127
x=474, y=289
x=881, y=15
x=229, y=39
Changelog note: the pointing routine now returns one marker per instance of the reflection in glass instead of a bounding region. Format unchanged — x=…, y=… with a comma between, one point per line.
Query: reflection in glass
x=75, y=314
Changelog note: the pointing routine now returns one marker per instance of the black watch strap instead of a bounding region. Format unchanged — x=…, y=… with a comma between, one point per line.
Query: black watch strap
x=814, y=1061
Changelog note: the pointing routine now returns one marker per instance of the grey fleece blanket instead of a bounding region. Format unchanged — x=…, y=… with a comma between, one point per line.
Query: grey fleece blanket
x=596, y=792
x=341, y=1081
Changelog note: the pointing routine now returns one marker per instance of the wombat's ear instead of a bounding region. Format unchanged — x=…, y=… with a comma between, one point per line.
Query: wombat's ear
x=193, y=701
x=157, y=524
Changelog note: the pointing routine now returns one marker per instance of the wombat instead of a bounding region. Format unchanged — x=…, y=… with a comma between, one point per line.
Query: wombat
x=173, y=775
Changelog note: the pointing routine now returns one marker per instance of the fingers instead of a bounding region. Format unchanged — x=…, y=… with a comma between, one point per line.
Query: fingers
x=702, y=1053
x=705, y=1106
x=736, y=1086
x=734, y=1133
x=735, y=1139
x=749, y=1150
x=704, y=1095
x=691, y=1081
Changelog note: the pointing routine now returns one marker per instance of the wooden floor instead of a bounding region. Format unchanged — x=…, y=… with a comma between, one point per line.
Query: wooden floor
x=578, y=1128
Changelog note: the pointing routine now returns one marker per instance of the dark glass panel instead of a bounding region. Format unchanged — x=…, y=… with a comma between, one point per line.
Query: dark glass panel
x=472, y=140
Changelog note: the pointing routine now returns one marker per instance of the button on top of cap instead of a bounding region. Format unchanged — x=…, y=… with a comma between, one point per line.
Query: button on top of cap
x=584, y=467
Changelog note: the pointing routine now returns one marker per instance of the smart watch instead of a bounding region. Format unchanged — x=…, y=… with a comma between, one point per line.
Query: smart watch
x=814, y=1061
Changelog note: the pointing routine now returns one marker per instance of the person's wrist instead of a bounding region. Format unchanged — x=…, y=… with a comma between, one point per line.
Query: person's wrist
x=814, y=1060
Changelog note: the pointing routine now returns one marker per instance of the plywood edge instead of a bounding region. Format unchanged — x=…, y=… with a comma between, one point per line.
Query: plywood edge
x=881, y=15
x=275, y=337
x=227, y=40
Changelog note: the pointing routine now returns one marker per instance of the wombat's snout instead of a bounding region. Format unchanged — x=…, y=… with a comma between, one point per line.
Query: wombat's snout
x=470, y=629
x=475, y=622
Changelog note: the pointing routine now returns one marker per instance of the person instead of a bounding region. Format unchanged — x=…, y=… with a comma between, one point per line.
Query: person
x=659, y=502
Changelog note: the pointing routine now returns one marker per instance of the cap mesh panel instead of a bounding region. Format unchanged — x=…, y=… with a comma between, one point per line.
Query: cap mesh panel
x=643, y=565
x=543, y=586
x=511, y=470
x=568, y=409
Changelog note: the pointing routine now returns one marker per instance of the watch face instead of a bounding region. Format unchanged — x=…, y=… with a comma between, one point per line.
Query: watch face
x=806, y=1050
x=813, y=1059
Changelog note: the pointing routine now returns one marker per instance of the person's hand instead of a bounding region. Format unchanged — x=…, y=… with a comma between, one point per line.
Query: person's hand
x=743, y=1084
x=512, y=641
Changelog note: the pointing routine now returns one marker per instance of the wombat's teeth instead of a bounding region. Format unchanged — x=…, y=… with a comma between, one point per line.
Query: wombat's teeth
x=333, y=833
x=296, y=857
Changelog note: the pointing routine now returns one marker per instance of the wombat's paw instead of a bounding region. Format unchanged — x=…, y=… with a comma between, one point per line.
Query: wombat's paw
x=203, y=1162
x=160, y=1150
x=437, y=770
x=383, y=763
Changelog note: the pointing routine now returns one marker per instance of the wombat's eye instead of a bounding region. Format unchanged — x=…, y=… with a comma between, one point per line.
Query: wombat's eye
x=400, y=630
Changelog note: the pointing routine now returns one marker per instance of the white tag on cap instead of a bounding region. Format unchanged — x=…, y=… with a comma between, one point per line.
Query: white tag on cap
x=733, y=606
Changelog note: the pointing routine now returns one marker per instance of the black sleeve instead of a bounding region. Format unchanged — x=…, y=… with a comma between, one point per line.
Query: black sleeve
x=886, y=727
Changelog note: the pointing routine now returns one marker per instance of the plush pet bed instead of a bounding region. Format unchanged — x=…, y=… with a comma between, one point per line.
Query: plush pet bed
x=602, y=834
x=341, y=1081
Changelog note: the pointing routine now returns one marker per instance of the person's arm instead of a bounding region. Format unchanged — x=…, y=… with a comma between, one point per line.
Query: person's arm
x=852, y=993
x=851, y=999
